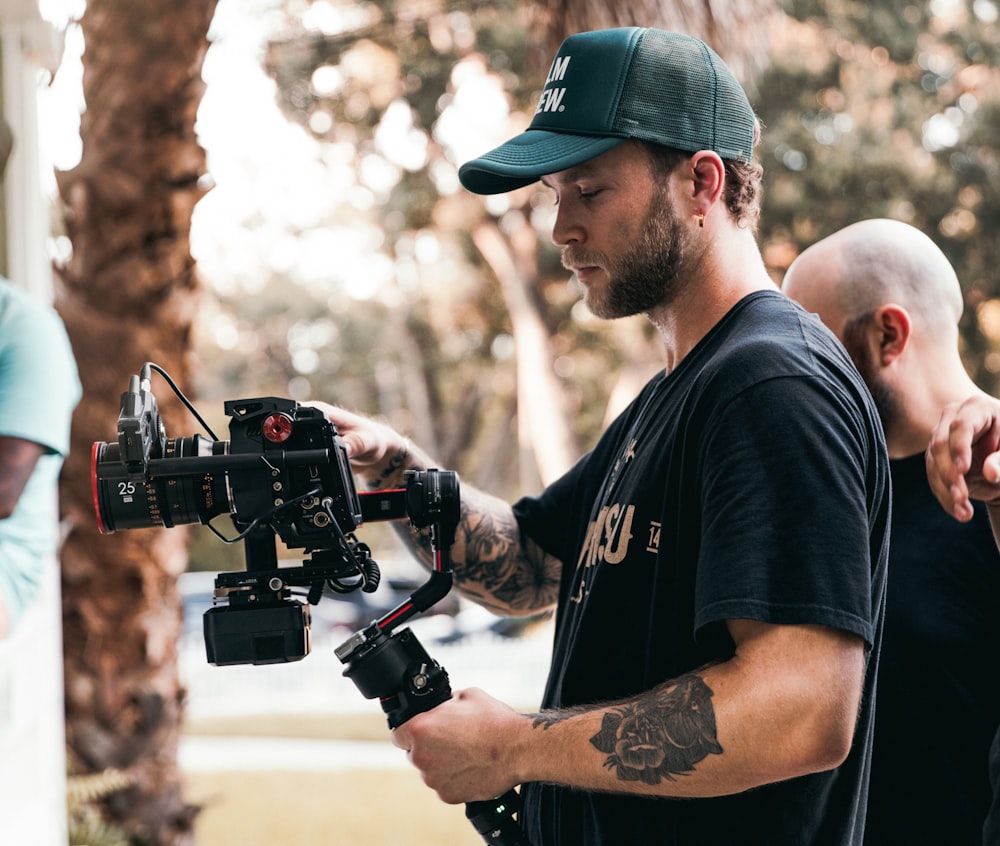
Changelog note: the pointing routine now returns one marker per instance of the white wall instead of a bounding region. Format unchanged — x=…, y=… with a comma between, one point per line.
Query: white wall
x=32, y=714
x=30, y=49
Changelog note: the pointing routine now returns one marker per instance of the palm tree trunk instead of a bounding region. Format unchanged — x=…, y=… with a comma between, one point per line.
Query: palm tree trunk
x=128, y=295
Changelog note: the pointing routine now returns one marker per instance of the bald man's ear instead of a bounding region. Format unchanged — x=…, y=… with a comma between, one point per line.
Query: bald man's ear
x=894, y=328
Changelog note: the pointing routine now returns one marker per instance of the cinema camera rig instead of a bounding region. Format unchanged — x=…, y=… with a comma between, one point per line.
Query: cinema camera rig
x=284, y=472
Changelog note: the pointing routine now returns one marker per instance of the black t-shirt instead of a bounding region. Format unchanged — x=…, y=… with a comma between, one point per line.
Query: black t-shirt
x=751, y=482
x=991, y=831
x=938, y=699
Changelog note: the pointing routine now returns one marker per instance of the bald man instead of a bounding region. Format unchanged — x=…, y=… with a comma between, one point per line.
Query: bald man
x=894, y=301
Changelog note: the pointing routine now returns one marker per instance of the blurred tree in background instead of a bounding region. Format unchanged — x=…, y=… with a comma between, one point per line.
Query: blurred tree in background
x=892, y=110
x=883, y=110
x=128, y=293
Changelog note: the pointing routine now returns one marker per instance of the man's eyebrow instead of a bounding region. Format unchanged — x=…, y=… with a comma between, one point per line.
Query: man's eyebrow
x=579, y=172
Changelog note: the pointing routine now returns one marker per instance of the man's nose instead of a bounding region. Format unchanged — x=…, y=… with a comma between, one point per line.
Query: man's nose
x=566, y=229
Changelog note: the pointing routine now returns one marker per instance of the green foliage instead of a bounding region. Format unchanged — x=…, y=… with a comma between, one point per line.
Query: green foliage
x=428, y=348
x=87, y=827
x=884, y=109
x=888, y=110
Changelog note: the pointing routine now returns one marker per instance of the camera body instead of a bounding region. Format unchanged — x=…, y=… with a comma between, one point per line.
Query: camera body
x=289, y=438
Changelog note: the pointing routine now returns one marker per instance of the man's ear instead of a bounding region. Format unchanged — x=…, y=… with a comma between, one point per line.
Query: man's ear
x=709, y=179
x=894, y=326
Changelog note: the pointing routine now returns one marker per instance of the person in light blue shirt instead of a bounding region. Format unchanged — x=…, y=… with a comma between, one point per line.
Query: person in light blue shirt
x=39, y=388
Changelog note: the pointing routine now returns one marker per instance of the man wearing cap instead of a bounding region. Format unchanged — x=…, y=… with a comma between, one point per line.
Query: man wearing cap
x=717, y=561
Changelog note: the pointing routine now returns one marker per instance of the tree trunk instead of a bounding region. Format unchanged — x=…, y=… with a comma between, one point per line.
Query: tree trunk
x=129, y=295
x=544, y=429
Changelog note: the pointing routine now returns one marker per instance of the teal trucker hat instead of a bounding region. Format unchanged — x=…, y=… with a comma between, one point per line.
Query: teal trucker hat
x=611, y=84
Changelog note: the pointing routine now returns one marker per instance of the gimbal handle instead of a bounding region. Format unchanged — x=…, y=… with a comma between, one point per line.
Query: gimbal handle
x=396, y=669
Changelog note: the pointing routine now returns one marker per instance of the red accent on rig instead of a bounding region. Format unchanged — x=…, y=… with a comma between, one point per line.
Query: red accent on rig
x=94, y=489
x=277, y=428
x=399, y=611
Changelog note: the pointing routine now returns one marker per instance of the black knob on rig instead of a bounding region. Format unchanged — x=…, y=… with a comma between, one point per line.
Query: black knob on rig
x=494, y=819
x=396, y=670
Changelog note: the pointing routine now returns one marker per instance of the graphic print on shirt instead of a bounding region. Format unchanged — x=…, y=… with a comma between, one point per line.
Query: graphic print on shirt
x=610, y=535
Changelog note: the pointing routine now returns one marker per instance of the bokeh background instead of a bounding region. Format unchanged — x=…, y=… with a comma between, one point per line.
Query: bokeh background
x=261, y=197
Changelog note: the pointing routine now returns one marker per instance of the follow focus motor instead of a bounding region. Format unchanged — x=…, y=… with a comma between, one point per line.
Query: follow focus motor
x=284, y=473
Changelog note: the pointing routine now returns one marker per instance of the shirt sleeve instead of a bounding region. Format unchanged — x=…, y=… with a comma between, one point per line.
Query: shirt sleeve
x=787, y=526
x=39, y=384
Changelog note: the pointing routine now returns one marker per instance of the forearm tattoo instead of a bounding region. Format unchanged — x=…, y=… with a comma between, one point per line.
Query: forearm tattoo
x=501, y=565
x=546, y=719
x=493, y=563
x=661, y=734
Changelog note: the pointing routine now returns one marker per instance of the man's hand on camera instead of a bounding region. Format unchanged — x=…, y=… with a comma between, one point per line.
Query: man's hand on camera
x=963, y=457
x=377, y=451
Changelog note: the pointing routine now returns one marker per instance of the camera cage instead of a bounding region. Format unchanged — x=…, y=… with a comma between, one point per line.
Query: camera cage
x=284, y=473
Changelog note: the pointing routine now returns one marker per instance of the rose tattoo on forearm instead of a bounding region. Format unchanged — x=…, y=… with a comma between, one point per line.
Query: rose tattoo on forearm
x=662, y=734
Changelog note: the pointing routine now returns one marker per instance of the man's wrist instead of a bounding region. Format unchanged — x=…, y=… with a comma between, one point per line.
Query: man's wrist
x=396, y=465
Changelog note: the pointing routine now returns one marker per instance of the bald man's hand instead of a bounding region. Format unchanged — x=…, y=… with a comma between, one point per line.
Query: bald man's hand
x=963, y=457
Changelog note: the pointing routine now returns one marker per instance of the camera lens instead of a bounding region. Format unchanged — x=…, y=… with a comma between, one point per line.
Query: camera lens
x=124, y=502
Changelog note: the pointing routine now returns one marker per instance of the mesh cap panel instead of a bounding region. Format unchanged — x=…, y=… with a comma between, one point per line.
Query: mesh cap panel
x=679, y=94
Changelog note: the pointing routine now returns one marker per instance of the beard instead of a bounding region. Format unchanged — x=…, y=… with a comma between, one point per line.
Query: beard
x=646, y=275
x=887, y=403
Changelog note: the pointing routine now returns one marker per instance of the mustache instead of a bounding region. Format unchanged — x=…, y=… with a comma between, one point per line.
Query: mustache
x=572, y=257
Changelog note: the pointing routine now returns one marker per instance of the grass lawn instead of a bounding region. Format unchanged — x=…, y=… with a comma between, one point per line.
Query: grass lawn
x=363, y=808
x=288, y=808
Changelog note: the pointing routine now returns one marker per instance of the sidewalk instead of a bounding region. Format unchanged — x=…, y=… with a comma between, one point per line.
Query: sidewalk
x=511, y=669
x=219, y=754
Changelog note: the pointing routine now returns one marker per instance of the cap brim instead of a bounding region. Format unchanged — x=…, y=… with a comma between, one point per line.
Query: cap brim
x=530, y=156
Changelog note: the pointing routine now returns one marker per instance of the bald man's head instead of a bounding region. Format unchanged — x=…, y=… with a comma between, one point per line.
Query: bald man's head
x=892, y=298
x=868, y=264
